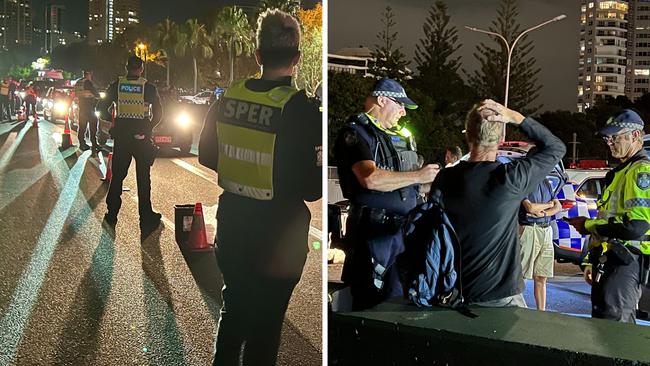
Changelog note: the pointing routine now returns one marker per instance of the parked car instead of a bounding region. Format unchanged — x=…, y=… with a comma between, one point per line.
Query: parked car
x=202, y=98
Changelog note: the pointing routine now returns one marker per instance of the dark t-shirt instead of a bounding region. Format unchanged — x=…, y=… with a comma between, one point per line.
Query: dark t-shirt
x=87, y=105
x=482, y=200
x=284, y=220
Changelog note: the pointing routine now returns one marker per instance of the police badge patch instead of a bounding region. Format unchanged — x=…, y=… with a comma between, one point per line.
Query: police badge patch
x=643, y=180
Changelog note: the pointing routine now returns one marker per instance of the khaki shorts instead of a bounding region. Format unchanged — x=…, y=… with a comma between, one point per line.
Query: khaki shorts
x=537, y=252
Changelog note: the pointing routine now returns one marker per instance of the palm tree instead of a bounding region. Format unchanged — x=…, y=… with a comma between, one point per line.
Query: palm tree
x=167, y=38
x=232, y=31
x=288, y=6
x=194, y=40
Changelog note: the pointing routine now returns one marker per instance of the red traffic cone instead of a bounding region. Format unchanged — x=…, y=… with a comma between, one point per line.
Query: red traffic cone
x=198, y=240
x=66, y=138
x=35, y=122
x=109, y=168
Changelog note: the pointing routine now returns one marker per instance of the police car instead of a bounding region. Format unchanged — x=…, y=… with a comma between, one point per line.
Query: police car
x=578, y=197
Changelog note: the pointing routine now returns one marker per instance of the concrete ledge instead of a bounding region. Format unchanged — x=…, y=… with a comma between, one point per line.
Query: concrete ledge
x=400, y=334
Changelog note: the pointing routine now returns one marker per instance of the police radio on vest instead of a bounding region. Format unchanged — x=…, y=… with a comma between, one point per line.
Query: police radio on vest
x=249, y=112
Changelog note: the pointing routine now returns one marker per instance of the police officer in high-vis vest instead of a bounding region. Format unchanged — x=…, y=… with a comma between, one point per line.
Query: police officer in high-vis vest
x=87, y=95
x=5, y=109
x=263, y=138
x=380, y=173
x=137, y=110
x=617, y=264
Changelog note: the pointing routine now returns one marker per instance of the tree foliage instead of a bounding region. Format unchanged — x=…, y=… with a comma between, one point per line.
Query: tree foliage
x=489, y=80
x=309, y=73
x=195, y=42
x=390, y=61
x=232, y=33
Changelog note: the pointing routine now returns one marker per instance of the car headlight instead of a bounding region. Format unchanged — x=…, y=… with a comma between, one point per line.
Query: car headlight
x=183, y=119
x=50, y=104
x=102, y=95
x=60, y=107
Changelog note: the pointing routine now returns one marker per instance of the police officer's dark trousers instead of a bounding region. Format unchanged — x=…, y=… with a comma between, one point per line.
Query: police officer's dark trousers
x=5, y=109
x=618, y=291
x=358, y=270
x=125, y=149
x=254, y=302
x=87, y=119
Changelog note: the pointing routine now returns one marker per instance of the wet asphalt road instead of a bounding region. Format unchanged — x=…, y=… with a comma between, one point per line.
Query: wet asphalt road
x=71, y=294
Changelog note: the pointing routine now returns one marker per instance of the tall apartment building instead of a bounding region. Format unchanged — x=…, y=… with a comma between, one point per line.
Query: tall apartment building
x=602, y=50
x=638, y=50
x=15, y=22
x=108, y=18
x=53, y=26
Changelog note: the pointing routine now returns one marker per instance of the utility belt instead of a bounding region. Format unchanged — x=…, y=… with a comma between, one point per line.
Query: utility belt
x=375, y=221
x=543, y=225
x=621, y=253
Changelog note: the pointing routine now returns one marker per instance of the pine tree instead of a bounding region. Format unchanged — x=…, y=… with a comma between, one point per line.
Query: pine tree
x=489, y=80
x=436, y=63
x=390, y=60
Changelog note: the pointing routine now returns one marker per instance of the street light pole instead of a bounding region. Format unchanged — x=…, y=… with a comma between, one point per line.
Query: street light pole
x=511, y=48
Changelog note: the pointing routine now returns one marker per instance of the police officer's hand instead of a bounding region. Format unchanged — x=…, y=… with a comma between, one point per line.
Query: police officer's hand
x=428, y=173
x=495, y=112
x=587, y=274
x=578, y=223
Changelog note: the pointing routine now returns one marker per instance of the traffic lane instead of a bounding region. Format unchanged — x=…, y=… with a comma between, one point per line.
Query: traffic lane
x=173, y=181
x=96, y=303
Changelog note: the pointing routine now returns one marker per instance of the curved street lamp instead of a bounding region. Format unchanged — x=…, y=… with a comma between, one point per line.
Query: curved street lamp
x=511, y=48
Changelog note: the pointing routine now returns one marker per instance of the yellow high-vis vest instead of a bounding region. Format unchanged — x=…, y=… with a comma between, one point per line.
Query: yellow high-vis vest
x=247, y=124
x=4, y=89
x=130, y=99
x=79, y=90
x=628, y=196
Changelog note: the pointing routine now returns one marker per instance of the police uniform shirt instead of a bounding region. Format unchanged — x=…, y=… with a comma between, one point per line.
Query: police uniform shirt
x=127, y=127
x=352, y=147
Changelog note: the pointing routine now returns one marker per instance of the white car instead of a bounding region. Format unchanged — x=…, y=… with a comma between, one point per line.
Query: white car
x=201, y=98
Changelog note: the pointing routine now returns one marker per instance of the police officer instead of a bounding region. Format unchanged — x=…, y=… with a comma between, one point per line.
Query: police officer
x=380, y=174
x=138, y=110
x=5, y=109
x=263, y=138
x=87, y=95
x=617, y=263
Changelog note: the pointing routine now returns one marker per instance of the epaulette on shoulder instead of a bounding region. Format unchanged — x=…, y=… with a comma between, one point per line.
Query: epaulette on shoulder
x=360, y=118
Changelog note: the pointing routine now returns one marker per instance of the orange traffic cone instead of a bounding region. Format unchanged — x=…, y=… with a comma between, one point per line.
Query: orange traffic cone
x=198, y=240
x=66, y=138
x=109, y=168
x=35, y=122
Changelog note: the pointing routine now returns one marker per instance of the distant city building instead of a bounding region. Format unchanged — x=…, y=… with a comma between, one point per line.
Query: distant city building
x=108, y=18
x=353, y=60
x=614, y=50
x=15, y=23
x=53, y=26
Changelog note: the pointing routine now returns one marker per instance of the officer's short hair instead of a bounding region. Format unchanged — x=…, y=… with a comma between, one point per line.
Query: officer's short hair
x=278, y=38
x=455, y=151
x=87, y=71
x=133, y=63
x=480, y=131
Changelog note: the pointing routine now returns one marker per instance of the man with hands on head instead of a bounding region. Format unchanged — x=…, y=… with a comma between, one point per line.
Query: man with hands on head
x=617, y=264
x=482, y=198
x=380, y=174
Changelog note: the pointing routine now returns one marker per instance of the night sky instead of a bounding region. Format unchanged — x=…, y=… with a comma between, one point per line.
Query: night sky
x=153, y=11
x=356, y=22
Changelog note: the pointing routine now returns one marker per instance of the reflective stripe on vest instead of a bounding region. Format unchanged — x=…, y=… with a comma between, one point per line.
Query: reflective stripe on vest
x=623, y=198
x=247, y=123
x=130, y=99
x=80, y=91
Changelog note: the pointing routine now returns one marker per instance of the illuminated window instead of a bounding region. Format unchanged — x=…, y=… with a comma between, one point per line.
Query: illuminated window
x=599, y=79
x=591, y=5
x=588, y=78
x=580, y=91
x=645, y=72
